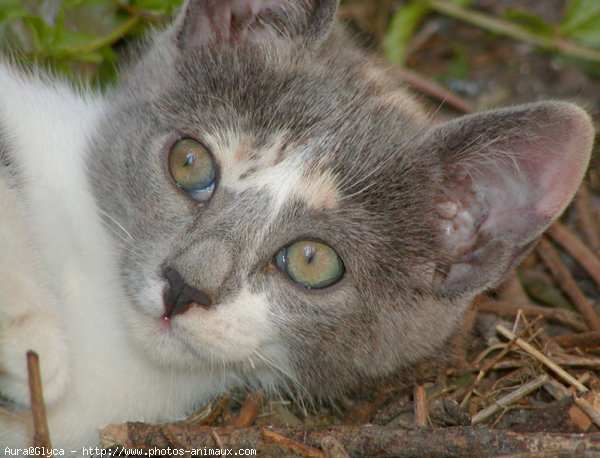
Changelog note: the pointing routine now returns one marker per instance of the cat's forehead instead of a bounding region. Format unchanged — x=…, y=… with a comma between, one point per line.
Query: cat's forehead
x=274, y=167
x=293, y=124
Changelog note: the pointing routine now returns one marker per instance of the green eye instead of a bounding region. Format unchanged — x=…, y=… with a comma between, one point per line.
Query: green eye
x=193, y=169
x=311, y=264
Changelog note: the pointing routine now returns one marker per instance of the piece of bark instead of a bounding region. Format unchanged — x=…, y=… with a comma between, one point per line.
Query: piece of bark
x=448, y=412
x=552, y=417
x=589, y=403
x=333, y=448
x=295, y=445
x=249, y=410
x=421, y=407
x=366, y=440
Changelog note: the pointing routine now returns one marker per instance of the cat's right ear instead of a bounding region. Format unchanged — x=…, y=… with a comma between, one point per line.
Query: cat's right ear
x=203, y=22
x=507, y=175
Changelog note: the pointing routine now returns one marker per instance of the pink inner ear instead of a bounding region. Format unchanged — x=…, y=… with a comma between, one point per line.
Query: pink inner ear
x=229, y=21
x=515, y=188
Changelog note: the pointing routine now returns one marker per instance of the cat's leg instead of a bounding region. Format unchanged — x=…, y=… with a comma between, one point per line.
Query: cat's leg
x=28, y=310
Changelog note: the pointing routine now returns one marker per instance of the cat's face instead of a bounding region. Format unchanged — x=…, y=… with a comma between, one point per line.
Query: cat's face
x=306, y=198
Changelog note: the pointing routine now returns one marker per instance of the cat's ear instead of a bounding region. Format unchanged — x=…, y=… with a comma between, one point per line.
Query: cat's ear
x=232, y=21
x=507, y=174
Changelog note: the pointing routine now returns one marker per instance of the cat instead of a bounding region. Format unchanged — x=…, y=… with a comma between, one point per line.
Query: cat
x=256, y=203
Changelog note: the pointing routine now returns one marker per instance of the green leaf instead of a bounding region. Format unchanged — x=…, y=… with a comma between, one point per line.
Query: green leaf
x=581, y=14
x=401, y=29
x=42, y=34
x=459, y=68
x=463, y=3
x=11, y=9
x=158, y=6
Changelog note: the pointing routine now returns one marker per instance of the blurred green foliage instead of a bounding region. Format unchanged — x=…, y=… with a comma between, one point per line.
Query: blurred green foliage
x=77, y=37
x=83, y=37
x=577, y=35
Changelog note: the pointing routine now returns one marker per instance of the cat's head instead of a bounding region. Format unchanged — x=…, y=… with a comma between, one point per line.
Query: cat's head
x=288, y=214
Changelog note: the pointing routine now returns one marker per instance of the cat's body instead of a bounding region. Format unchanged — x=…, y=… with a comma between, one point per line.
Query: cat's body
x=145, y=295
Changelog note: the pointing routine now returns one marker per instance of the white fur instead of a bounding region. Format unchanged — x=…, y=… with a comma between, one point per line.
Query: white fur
x=59, y=284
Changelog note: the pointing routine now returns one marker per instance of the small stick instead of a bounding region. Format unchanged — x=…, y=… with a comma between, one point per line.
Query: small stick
x=566, y=317
x=567, y=283
x=249, y=410
x=575, y=247
x=561, y=360
x=41, y=434
x=333, y=448
x=580, y=339
x=217, y=439
x=542, y=358
x=420, y=405
x=586, y=219
x=556, y=389
x=592, y=362
x=507, y=400
x=434, y=90
x=515, y=31
x=589, y=409
x=492, y=362
x=302, y=449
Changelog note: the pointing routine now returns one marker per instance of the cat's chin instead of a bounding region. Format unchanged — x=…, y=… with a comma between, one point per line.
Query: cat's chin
x=162, y=343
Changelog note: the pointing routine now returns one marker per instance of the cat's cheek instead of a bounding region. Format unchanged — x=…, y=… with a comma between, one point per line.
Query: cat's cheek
x=233, y=331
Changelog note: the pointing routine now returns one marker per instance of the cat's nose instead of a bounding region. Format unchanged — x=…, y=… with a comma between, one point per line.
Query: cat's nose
x=179, y=297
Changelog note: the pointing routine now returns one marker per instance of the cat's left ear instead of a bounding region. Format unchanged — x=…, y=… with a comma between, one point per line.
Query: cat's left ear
x=506, y=176
x=203, y=22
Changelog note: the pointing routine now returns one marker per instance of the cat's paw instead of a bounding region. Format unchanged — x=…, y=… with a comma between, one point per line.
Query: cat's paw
x=38, y=332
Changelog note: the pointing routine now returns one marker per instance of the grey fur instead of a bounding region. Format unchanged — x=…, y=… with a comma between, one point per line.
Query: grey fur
x=390, y=164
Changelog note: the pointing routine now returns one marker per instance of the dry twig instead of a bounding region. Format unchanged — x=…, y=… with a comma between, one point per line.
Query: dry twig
x=369, y=440
x=586, y=219
x=41, y=434
x=542, y=358
x=575, y=247
x=303, y=449
x=567, y=283
x=581, y=339
x=566, y=317
x=420, y=405
x=434, y=90
x=249, y=410
x=507, y=400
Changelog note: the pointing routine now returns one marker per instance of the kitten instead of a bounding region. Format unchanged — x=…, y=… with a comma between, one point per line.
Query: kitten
x=256, y=203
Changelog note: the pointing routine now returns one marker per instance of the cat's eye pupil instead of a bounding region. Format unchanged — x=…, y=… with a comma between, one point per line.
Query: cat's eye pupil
x=192, y=167
x=309, y=253
x=310, y=264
